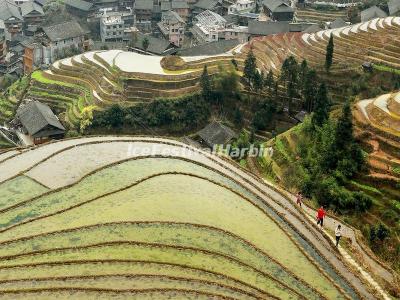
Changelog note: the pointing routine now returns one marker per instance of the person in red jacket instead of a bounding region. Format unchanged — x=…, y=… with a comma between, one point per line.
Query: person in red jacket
x=320, y=216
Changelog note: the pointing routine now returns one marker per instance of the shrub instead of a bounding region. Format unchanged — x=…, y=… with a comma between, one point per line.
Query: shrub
x=362, y=201
x=378, y=233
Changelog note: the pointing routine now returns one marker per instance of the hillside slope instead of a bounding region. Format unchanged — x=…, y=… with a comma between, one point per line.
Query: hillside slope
x=377, y=129
x=145, y=218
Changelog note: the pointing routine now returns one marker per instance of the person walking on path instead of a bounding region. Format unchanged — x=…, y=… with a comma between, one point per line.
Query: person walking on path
x=338, y=234
x=299, y=198
x=320, y=216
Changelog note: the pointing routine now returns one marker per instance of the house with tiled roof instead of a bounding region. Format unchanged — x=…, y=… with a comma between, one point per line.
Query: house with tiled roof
x=37, y=121
x=11, y=16
x=172, y=27
x=144, y=11
x=211, y=5
x=278, y=10
x=394, y=7
x=156, y=46
x=32, y=13
x=372, y=13
x=78, y=7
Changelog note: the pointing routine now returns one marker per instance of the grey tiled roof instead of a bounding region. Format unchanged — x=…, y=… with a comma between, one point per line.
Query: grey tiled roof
x=144, y=4
x=64, y=31
x=371, y=13
x=156, y=45
x=216, y=134
x=312, y=28
x=165, y=5
x=394, y=6
x=9, y=9
x=339, y=22
x=179, y=4
x=30, y=6
x=206, y=4
x=79, y=4
x=173, y=16
x=36, y=116
x=277, y=6
x=266, y=28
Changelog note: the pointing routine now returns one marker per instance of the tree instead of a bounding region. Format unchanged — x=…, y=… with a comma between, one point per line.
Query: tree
x=258, y=81
x=226, y=83
x=329, y=54
x=322, y=105
x=250, y=68
x=310, y=90
x=86, y=117
x=205, y=83
x=344, y=127
x=290, y=78
x=238, y=117
x=303, y=71
x=145, y=43
x=269, y=82
x=348, y=152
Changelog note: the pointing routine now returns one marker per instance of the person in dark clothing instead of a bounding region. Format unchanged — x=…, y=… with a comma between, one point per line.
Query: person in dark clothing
x=338, y=234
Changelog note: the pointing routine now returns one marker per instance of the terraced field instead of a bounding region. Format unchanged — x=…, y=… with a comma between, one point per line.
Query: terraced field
x=318, y=16
x=377, y=40
x=378, y=122
x=96, y=79
x=153, y=218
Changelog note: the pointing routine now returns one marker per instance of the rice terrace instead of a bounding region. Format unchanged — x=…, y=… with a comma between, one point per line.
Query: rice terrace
x=118, y=128
x=78, y=225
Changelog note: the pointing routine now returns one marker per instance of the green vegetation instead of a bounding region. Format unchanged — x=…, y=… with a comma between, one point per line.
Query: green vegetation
x=179, y=114
x=329, y=54
x=18, y=190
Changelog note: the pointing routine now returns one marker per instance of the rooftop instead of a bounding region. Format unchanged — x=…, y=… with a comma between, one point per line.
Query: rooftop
x=207, y=4
x=144, y=4
x=111, y=20
x=79, y=4
x=277, y=6
x=63, y=31
x=9, y=9
x=394, y=6
x=216, y=134
x=156, y=45
x=36, y=116
x=338, y=23
x=371, y=13
x=30, y=6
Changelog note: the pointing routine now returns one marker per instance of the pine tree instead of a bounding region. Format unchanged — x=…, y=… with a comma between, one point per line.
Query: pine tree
x=303, y=70
x=250, y=68
x=329, y=54
x=310, y=90
x=205, y=84
x=258, y=81
x=238, y=117
x=269, y=82
x=322, y=105
x=344, y=127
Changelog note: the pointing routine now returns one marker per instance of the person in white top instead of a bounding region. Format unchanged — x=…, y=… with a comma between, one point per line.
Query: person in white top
x=338, y=234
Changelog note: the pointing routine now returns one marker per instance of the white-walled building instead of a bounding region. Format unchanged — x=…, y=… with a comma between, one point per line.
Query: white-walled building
x=111, y=28
x=113, y=25
x=242, y=6
x=211, y=27
x=172, y=27
x=207, y=26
